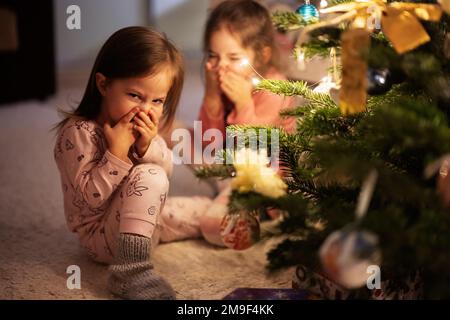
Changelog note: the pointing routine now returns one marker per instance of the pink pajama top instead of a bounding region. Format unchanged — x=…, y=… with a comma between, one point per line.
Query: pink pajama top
x=264, y=110
x=90, y=174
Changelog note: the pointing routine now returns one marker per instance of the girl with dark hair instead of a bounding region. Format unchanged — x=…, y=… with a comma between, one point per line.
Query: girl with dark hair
x=114, y=166
x=240, y=47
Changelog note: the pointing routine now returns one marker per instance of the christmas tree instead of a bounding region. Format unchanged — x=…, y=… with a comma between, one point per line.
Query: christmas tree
x=388, y=120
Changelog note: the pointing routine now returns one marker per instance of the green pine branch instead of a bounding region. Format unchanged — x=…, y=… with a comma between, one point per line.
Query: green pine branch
x=297, y=88
x=219, y=171
x=289, y=21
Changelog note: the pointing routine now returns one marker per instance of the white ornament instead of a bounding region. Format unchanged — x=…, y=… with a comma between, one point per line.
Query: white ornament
x=346, y=256
x=325, y=85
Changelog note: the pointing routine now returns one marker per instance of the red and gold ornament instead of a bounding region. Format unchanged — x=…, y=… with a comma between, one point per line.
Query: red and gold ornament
x=240, y=230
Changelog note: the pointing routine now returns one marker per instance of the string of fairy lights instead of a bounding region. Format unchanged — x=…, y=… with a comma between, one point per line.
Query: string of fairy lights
x=331, y=81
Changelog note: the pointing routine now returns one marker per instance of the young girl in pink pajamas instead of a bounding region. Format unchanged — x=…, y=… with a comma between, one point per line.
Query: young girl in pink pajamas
x=114, y=166
x=237, y=31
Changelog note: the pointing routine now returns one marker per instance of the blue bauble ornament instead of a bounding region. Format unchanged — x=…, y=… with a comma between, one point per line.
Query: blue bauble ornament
x=308, y=12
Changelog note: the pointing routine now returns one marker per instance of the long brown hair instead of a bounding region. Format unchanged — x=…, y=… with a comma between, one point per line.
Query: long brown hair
x=250, y=22
x=132, y=52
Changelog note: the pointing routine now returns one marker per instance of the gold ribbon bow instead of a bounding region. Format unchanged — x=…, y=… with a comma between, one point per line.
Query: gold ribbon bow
x=399, y=21
x=445, y=4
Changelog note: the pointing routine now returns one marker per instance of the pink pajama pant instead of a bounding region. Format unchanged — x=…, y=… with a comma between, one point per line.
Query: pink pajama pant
x=140, y=206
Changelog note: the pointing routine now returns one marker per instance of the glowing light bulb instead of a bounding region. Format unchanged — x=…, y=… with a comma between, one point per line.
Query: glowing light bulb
x=323, y=3
x=301, y=60
x=244, y=62
x=256, y=81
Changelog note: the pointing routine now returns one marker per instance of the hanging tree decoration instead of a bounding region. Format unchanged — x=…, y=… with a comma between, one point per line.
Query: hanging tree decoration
x=379, y=81
x=353, y=94
x=253, y=174
x=346, y=254
x=331, y=82
x=399, y=22
x=240, y=230
x=308, y=12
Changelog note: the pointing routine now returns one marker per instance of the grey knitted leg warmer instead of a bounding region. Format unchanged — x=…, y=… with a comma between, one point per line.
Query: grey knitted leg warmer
x=133, y=277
